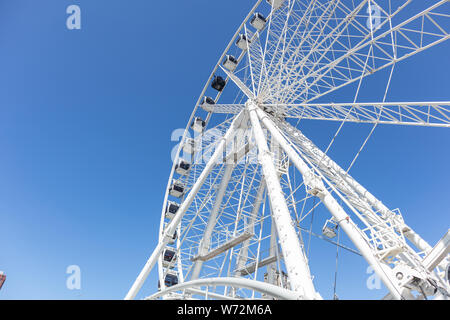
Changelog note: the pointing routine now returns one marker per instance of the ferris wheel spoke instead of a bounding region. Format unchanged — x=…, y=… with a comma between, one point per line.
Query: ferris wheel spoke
x=407, y=39
x=294, y=49
x=312, y=36
x=431, y=114
x=241, y=85
x=255, y=61
x=323, y=62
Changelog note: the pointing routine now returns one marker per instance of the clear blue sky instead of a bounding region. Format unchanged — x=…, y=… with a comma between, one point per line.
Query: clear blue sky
x=85, y=123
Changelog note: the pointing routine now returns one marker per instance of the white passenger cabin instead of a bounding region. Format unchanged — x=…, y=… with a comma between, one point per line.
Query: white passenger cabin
x=169, y=258
x=329, y=228
x=276, y=4
x=171, y=209
x=258, y=21
x=230, y=63
x=242, y=42
x=176, y=189
x=182, y=167
x=189, y=146
x=198, y=124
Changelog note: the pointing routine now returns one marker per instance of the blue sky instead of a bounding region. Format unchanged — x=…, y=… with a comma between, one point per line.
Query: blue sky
x=85, y=123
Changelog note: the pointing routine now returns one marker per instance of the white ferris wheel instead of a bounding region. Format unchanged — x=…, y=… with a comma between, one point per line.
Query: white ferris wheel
x=247, y=183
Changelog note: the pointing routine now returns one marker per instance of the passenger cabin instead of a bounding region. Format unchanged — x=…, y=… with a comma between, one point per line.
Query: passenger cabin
x=207, y=104
x=208, y=100
x=242, y=42
x=182, y=167
x=189, y=145
x=276, y=4
x=170, y=279
x=171, y=209
x=329, y=228
x=258, y=21
x=218, y=83
x=230, y=63
x=198, y=124
x=176, y=189
x=169, y=258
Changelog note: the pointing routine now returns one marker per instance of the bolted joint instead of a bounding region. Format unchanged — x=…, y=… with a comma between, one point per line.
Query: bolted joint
x=414, y=280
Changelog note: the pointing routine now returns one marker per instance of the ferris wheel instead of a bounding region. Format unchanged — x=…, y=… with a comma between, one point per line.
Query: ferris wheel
x=247, y=184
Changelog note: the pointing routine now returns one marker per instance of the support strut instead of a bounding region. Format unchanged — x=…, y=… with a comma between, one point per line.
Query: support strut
x=294, y=257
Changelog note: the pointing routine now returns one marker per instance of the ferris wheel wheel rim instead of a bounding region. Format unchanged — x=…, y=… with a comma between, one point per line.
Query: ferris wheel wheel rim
x=186, y=130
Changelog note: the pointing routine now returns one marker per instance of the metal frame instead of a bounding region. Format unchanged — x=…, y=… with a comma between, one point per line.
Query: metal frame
x=244, y=210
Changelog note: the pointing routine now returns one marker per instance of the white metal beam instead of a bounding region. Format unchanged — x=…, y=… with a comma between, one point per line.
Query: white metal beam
x=259, y=286
x=425, y=114
x=294, y=257
x=249, y=269
x=439, y=252
x=224, y=247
